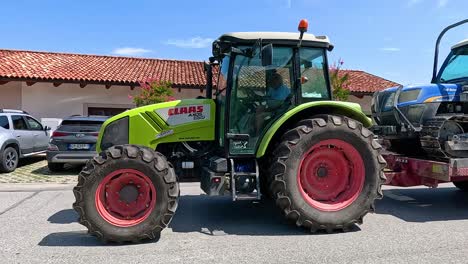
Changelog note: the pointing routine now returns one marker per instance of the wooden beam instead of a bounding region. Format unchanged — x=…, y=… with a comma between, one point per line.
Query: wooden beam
x=30, y=83
x=108, y=86
x=4, y=82
x=57, y=84
x=83, y=85
x=132, y=87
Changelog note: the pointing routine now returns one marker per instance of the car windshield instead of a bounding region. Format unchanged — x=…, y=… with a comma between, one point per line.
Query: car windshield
x=456, y=69
x=80, y=126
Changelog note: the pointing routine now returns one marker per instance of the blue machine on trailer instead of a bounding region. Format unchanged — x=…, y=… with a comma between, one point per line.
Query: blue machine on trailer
x=428, y=120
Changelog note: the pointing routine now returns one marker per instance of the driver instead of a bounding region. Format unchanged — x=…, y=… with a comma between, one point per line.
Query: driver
x=277, y=90
x=277, y=93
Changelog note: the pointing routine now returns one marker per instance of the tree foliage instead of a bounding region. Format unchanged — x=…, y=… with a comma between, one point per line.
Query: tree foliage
x=339, y=82
x=153, y=92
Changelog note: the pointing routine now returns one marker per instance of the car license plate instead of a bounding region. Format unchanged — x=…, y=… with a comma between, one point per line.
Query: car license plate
x=78, y=146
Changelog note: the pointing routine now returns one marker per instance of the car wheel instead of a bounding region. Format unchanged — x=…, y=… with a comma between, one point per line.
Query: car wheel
x=9, y=160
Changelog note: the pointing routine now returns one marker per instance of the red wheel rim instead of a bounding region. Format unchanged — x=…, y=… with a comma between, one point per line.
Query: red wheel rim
x=331, y=175
x=125, y=197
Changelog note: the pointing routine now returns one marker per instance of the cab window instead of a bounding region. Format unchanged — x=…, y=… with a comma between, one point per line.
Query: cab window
x=313, y=82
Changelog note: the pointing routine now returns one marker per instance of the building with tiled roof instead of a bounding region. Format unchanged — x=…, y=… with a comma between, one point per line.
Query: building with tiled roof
x=55, y=85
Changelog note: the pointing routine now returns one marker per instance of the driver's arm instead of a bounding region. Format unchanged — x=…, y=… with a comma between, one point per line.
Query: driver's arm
x=272, y=103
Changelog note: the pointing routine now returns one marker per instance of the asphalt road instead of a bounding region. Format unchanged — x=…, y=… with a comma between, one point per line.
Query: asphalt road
x=417, y=225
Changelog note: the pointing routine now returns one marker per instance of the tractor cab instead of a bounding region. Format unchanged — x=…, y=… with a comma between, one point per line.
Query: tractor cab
x=455, y=67
x=262, y=75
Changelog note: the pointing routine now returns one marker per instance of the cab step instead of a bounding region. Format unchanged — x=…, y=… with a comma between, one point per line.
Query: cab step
x=245, y=180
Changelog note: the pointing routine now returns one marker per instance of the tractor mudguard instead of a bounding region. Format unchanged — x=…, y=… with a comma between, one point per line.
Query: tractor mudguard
x=351, y=110
x=168, y=122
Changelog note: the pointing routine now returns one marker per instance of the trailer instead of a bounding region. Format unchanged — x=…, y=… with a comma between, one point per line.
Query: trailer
x=406, y=171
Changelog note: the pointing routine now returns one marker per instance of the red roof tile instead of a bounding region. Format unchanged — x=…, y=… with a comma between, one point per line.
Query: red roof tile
x=64, y=67
x=364, y=82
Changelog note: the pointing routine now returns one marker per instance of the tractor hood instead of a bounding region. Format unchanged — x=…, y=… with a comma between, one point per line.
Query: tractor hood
x=174, y=121
x=418, y=94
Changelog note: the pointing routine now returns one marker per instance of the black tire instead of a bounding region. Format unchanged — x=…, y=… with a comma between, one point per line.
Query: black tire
x=160, y=174
x=9, y=160
x=55, y=167
x=288, y=157
x=462, y=185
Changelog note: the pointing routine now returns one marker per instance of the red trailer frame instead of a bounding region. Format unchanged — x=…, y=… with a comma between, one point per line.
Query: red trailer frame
x=407, y=171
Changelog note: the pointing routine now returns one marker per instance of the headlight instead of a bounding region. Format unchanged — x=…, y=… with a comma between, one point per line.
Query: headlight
x=115, y=133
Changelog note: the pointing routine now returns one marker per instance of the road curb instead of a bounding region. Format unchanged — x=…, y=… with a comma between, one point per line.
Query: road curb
x=34, y=187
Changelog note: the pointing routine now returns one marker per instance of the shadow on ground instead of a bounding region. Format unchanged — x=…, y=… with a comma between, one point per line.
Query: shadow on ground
x=68, y=170
x=214, y=216
x=80, y=239
x=30, y=160
x=72, y=238
x=218, y=216
x=66, y=216
x=424, y=204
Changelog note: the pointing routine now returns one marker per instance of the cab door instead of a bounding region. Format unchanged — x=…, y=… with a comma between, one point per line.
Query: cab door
x=258, y=96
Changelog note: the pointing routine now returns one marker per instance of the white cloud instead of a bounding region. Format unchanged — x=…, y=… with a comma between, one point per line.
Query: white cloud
x=442, y=3
x=127, y=51
x=390, y=49
x=413, y=2
x=194, y=43
x=439, y=3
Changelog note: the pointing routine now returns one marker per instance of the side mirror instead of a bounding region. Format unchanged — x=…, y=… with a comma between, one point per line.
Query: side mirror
x=267, y=55
x=46, y=128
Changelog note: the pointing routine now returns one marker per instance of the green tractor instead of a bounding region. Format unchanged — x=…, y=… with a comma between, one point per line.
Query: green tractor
x=268, y=128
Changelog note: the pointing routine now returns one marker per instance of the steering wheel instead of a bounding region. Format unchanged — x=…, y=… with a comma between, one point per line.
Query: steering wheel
x=252, y=95
x=252, y=100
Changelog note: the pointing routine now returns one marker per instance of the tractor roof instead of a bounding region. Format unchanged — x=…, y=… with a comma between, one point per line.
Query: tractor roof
x=277, y=37
x=460, y=44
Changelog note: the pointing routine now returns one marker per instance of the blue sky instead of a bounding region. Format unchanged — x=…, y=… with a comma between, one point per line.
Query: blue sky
x=390, y=38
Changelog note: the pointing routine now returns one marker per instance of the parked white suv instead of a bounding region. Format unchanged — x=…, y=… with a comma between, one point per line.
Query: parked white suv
x=21, y=135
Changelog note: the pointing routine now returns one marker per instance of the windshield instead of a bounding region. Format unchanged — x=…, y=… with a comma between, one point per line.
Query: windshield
x=80, y=126
x=456, y=67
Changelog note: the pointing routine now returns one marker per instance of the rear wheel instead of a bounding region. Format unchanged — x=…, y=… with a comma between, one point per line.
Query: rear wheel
x=9, y=160
x=327, y=173
x=127, y=193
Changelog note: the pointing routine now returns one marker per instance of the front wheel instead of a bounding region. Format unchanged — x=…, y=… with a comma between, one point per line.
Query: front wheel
x=327, y=173
x=9, y=160
x=126, y=194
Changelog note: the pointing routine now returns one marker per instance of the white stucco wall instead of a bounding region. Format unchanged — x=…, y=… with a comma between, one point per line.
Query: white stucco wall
x=43, y=100
x=365, y=102
x=10, y=95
